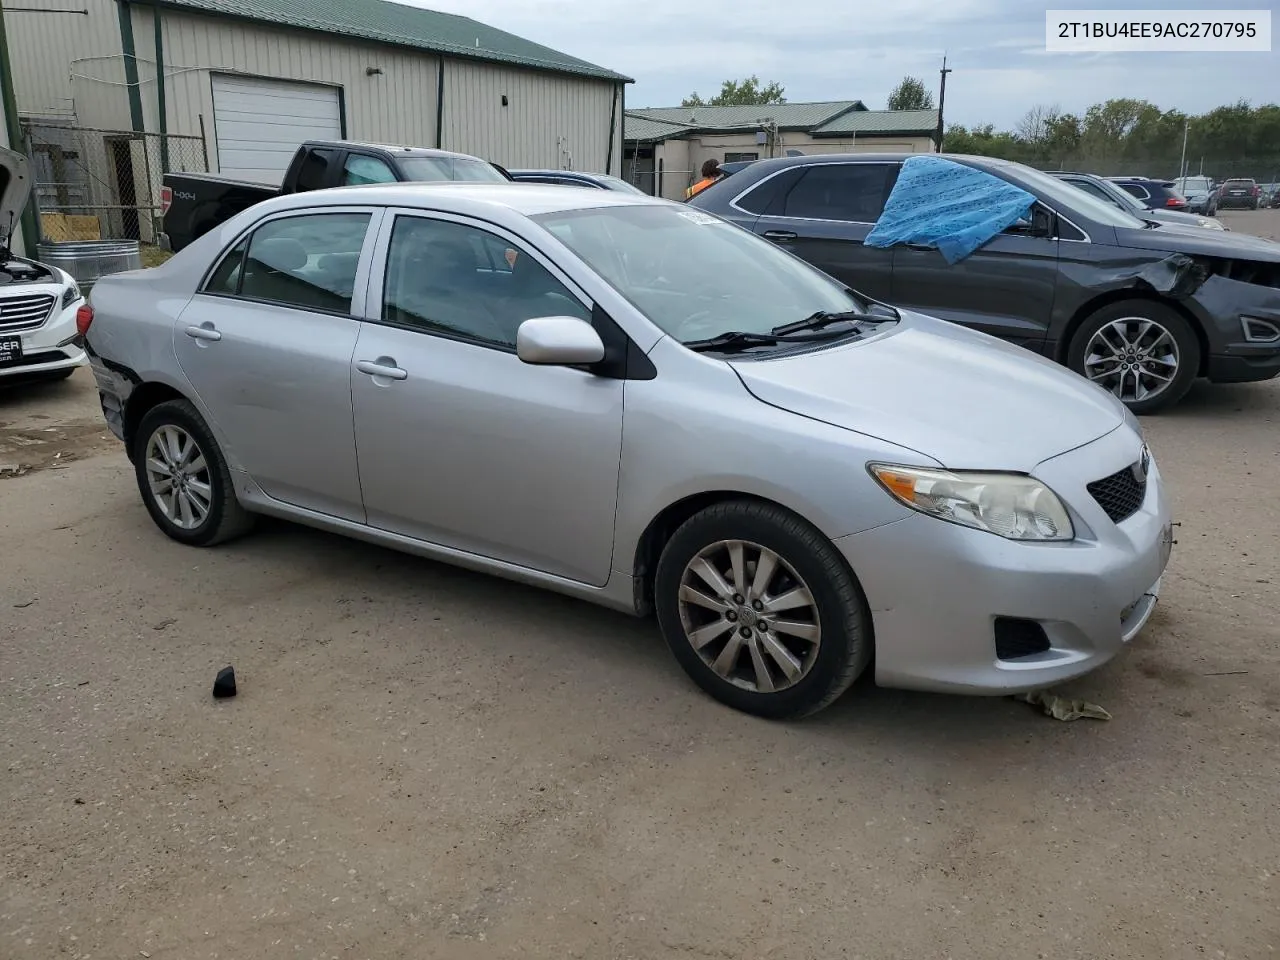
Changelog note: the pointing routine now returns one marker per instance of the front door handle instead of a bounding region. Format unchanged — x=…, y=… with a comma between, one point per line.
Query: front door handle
x=205, y=331
x=779, y=236
x=384, y=367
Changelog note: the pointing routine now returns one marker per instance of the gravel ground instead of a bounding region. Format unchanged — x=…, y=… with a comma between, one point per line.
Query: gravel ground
x=423, y=762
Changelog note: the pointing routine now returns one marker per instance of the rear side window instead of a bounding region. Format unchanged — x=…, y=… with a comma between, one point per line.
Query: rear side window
x=1136, y=190
x=307, y=261
x=853, y=192
x=313, y=174
x=762, y=199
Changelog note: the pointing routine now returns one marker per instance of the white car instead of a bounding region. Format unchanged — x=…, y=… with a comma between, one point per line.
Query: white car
x=38, y=303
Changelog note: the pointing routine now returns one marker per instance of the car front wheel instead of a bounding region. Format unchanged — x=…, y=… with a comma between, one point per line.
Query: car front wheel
x=184, y=479
x=760, y=610
x=1143, y=352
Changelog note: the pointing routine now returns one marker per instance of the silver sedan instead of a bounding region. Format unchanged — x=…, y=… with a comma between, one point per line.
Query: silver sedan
x=641, y=405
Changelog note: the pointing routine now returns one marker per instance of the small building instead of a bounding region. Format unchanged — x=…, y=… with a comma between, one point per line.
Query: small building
x=666, y=146
x=115, y=92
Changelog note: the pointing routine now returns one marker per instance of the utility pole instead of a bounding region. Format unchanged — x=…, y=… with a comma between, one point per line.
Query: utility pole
x=1182, y=167
x=942, y=99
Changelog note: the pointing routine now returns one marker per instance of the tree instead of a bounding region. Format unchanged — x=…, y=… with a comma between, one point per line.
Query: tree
x=910, y=94
x=1037, y=124
x=740, y=93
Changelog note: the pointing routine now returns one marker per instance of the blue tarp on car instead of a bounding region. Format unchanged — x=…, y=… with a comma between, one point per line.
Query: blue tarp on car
x=953, y=207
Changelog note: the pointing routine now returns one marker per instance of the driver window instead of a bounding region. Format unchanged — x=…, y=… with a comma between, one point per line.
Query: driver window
x=459, y=281
x=361, y=170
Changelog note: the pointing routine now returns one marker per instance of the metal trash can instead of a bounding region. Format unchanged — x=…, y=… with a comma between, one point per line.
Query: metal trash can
x=87, y=260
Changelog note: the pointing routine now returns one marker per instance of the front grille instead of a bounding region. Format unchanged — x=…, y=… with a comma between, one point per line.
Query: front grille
x=1121, y=494
x=24, y=313
x=1017, y=638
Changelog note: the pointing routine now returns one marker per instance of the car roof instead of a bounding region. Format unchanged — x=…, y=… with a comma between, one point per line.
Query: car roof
x=405, y=151
x=463, y=197
x=570, y=174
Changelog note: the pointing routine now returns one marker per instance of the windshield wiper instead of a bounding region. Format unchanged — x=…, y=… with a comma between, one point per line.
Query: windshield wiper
x=824, y=318
x=735, y=340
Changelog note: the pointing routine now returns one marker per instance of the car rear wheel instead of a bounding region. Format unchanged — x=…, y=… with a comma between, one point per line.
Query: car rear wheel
x=1143, y=352
x=760, y=610
x=184, y=479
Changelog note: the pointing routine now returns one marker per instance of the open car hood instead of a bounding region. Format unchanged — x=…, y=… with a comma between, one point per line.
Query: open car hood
x=15, y=189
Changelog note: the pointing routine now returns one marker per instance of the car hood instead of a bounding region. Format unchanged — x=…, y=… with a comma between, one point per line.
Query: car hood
x=1231, y=245
x=964, y=399
x=1174, y=218
x=15, y=188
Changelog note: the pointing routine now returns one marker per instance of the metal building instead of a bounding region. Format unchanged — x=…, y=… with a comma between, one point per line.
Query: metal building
x=115, y=92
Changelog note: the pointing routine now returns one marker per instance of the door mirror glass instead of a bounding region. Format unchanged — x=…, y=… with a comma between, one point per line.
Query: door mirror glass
x=558, y=341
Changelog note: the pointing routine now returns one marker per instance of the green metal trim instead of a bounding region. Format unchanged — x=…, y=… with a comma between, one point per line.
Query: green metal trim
x=130, y=65
x=613, y=122
x=342, y=111
x=440, y=106
x=30, y=222
x=161, y=105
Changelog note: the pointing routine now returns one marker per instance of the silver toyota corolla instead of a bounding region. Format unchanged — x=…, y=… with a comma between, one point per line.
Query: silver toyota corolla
x=641, y=405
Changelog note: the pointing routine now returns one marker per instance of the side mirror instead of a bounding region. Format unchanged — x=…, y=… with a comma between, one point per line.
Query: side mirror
x=558, y=341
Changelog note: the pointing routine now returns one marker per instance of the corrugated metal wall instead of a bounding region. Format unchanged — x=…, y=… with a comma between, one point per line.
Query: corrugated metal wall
x=396, y=105
x=70, y=65
x=46, y=48
x=550, y=120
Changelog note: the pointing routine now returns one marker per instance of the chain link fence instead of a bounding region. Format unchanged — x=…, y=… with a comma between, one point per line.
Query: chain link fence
x=93, y=184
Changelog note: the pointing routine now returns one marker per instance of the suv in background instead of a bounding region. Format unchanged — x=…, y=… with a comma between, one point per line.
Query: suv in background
x=1152, y=194
x=1200, y=193
x=1112, y=194
x=1239, y=192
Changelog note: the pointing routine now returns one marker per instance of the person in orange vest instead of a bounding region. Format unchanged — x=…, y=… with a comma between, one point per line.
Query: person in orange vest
x=710, y=174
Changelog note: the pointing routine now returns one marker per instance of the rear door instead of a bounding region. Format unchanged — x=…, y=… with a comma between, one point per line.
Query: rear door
x=823, y=214
x=267, y=346
x=1004, y=288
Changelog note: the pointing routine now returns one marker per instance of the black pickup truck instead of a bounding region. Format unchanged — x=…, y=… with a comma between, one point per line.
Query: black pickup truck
x=195, y=203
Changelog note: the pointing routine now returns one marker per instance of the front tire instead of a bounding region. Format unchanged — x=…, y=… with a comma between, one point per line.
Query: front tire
x=760, y=610
x=1145, y=353
x=184, y=479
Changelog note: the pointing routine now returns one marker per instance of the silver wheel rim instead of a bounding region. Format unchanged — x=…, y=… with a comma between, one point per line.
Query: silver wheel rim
x=178, y=477
x=1133, y=357
x=749, y=616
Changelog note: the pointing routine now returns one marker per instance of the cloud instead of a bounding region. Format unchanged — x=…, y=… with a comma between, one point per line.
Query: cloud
x=834, y=50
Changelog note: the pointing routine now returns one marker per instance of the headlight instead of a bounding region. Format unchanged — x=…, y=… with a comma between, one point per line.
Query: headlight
x=1211, y=224
x=70, y=295
x=1009, y=505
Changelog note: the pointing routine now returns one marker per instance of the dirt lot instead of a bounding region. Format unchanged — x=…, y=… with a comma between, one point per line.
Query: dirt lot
x=423, y=762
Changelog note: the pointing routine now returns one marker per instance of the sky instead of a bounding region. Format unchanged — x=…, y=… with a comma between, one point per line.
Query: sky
x=842, y=50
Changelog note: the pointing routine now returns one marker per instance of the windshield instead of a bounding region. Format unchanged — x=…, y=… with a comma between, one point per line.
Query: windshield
x=1198, y=184
x=1074, y=199
x=450, y=168
x=694, y=275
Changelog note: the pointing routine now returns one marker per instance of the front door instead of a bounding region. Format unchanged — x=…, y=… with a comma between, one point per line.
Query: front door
x=267, y=345
x=460, y=443
x=1004, y=288
x=826, y=214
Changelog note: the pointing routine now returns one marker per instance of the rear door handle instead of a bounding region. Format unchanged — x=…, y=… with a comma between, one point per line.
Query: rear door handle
x=205, y=331
x=779, y=236
x=382, y=367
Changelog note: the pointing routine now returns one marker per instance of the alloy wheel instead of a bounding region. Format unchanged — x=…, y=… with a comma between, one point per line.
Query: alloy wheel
x=749, y=616
x=1133, y=357
x=178, y=477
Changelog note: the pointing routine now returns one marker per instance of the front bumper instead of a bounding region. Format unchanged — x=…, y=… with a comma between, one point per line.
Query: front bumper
x=936, y=588
x=49, y=348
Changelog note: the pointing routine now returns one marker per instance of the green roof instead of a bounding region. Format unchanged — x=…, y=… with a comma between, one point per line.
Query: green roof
x=879, y=122
x=641, y=127
x=404, y=26
x=799, y=116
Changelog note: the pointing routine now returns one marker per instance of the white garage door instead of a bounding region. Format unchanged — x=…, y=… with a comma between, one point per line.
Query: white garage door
x=258, y=124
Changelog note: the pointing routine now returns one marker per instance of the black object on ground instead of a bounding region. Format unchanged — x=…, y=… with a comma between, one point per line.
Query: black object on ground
x=225, y=684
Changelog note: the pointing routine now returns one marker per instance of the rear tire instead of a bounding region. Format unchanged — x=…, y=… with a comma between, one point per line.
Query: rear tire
x=1144, y=352
x=184, y=479
x=761, y=612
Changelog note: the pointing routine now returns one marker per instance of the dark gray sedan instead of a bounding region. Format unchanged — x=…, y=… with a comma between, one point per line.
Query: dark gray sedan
x=1141, y=310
